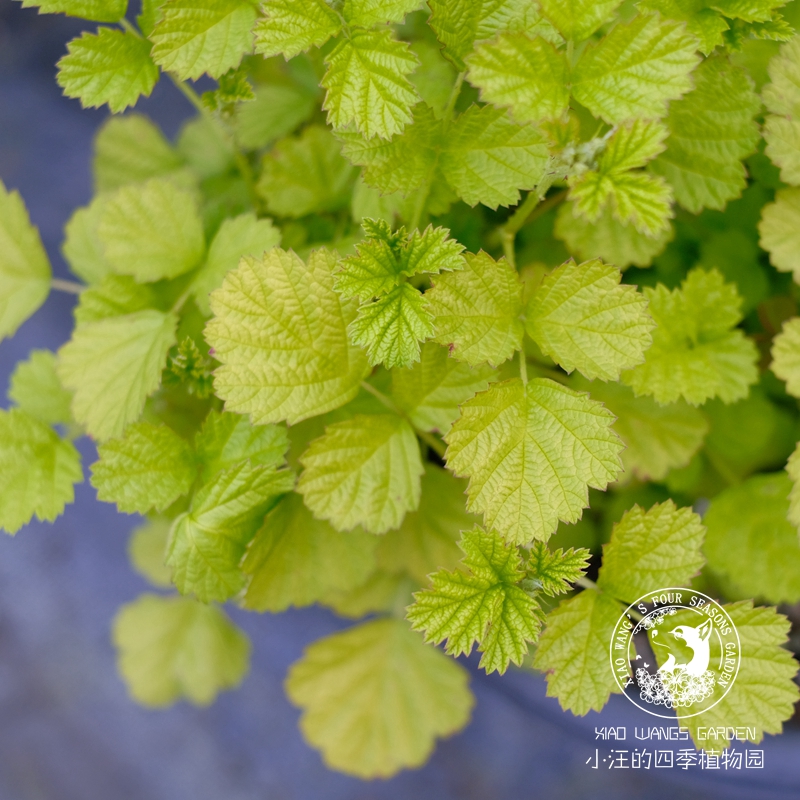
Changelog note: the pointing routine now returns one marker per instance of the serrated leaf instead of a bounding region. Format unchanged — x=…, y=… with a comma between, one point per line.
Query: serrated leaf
x=96, y=10
x=82, y=247
x=37, y=390
x=367, y=83
x=296, y=560
x=147, y=548
x=554, y=572
x=578, y=19
x=366, y=13
x=793, y=471
x=780, y=231
x=585, y=319
x=193, y=37
x=206, y=544
x=280, y=332
x=573, y=651
x=151, y=231
x=531, y=452
x=659, y=547
x=306, y=174
x=636, y=69
x=711, y=130
x=782, y=129
x=275, y=112
x=706, y=24
x=750, y=540
x=477, y=311
x=786, y=355
x=480, y=603
x=697, y=353
x=236, y=237
x=375, y=698
x=24, y=266
x=114, y=296
x=112, y=366
x=110, y=66
x=364, y=471
x=148, y=468
x=290, y=27
x=431, y=391
x=38, y=470
x=170, y=648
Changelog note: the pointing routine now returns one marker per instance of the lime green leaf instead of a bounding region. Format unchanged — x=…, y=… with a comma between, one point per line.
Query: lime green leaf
x=531, y=452
x=280, y=331
x=786, y=355
x=149, y=468
x=764, y=692
x=480, y=603
x=783, y=146
x=227, y=439
x=659, y=547
x=170, y=648
x=236, y=237
x=488, y=158
x=657, y=438
x=364, y=471
x=636, y=69
x=585, y=319
x=290, y=27
x=392, y=328
x=381, y=592
x=711, y=130
x=477, y=311
x=793, y=471
x=431, y=391
x=367, y=83
x=295, y=560
x=193, y=37
x=114, y=296
x=147, y=548
x=697, y=353
x=751, y=541
x=780, y=231
x=554, y=572
x=110, y=66
x=96, y=10
x=578, y=19
x=276, y=111
x=36, y=389
x=112, y=366
x=367, y=13
x=782, y=98
x=375, y=698
x=37, y=470
x=24, y=266
x=525, y=74
x=706, y=24
x=207, y=543
x=608, y=238
x=573, y=651
x=151, y=231
x=306, y=174
x=82, y=247
x=435, y=77
x=428, y=538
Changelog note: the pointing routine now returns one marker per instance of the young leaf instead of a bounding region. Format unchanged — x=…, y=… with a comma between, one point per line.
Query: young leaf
x=531, y=452
x=280, y=331
x=480, y=603
x=554, y=572
x=711, y=130
x=366, y=13
x=696, y=353
x=38, y=470
x=375, y=698
x=793, y=471
x=296, y=560
x=579, y=19
x=782, y=126
x=364, y=471
x=36, y=389
x=193, y=37
x=573, y=651
x=151, y=231
x=24, y=266
x=780, y=231
x=147, y=548
x=112, y=366
x=585, y=319
x=477, y=310
x=96, y=10
x=207, y=543
x=169, y=648
x=110, y=66
x=750, y=540
x=706, y=24
x=290, y=27
x=82, y=247
x=367, y=83
x=149, y=468
x=786, y=356
x=114, y=296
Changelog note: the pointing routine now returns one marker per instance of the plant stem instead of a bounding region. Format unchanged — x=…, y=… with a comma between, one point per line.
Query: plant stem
x=523, y=367
x=455, y=92
x=71, y=287
x=530, y=209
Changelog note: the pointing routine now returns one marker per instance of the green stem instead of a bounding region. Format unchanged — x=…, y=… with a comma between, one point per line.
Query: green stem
x=454, y=93
x=530, y=209
x=71, y=287
x=588, y=583
x=129, y=27
x=523, y=367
